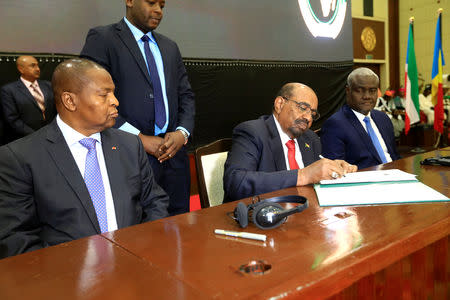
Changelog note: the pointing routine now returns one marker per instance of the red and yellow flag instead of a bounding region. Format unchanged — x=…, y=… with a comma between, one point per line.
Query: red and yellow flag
x=437, y=92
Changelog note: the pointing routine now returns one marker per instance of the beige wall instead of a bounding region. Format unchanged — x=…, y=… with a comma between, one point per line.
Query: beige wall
x=380, y=8
x=425, y=15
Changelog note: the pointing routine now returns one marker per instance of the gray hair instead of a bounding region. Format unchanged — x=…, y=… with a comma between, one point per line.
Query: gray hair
x=360, y=72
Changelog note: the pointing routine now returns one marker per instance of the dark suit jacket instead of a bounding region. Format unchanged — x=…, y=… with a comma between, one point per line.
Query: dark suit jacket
x=256, y=162
x=343, y=137
x=20, y=110
x=44, y=200
x=115, y=48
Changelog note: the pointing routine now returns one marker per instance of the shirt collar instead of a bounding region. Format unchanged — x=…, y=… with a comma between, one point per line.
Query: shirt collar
x=360, y=116
x=284, y=137
x=27, y=83
x=137, y=33
x=71, y=135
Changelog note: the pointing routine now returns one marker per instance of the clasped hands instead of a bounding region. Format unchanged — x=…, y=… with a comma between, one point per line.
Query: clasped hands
x=324, y=169
x=163, y=148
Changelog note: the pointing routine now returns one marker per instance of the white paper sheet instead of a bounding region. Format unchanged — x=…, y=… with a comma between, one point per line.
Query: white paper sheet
x=372, y=176
x=376, y=193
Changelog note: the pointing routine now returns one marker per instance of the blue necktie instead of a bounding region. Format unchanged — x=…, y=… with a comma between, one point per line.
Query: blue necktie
x=375, y=140
x=160, y=111
x=94, y=183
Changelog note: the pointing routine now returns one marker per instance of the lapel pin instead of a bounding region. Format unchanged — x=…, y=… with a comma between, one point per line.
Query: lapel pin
x=306, y=145
x=114, y=148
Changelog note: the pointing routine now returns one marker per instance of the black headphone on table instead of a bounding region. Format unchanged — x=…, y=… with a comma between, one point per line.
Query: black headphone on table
x=267, y=213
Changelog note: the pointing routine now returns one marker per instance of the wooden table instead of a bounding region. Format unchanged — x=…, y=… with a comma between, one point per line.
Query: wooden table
x=372, y=252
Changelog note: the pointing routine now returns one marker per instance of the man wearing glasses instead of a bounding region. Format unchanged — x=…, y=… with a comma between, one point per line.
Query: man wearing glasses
x=279, y=151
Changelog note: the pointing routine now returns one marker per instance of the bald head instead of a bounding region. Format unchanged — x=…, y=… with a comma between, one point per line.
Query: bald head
x=71, y=76
x=28, y=67
x=84, y=96
x=290, y=89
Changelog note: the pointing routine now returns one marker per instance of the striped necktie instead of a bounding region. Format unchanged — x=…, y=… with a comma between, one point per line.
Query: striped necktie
x=38, y=97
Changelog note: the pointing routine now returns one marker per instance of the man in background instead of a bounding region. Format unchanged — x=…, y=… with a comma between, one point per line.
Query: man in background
x=75, y=177
x=279, y=150
x=426, y=106
x=27, y=103
x=386, y=104
x=157, y=103
x=358, y=133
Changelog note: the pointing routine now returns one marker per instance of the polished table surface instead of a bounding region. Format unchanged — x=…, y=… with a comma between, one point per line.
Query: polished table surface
x=314, y=255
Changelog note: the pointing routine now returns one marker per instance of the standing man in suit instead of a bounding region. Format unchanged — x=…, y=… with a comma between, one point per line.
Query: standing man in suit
x=76, y=176
x=357, y=132
x=28, y=102
x=279, y=151
x=157, y=103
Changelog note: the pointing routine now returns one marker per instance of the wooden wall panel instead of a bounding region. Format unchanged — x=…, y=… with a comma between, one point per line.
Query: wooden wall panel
x=358, y=50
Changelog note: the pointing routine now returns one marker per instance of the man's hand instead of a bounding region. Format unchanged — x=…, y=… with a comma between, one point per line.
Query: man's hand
x=173, y=141
x=348, y=168
x=324, y=169
x=152, y=144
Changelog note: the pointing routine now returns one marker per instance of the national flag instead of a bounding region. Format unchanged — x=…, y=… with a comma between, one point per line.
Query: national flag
x=411, y=82
x=437, y=93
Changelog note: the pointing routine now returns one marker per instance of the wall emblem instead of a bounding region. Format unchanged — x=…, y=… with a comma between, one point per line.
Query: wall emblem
x=324, y=18
x=368, y=39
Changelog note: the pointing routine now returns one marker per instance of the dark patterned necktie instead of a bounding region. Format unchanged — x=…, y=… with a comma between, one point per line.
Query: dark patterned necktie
x=160, y=111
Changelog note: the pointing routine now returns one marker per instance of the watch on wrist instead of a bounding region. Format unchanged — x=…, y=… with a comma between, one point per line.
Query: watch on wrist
x=185, y=135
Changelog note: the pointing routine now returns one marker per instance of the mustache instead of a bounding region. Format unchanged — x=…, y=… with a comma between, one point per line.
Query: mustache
x=299, y=121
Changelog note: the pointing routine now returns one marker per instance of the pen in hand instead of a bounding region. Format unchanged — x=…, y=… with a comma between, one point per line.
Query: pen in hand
x=333, y=175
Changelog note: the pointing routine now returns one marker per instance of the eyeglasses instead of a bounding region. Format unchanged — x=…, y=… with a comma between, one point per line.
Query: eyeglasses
x=305, y=108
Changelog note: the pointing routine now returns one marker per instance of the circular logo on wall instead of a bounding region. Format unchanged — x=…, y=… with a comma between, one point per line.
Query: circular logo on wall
x=324, y=18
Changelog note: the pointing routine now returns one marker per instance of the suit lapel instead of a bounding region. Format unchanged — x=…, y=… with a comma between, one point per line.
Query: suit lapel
x=127, y=38
x=60, y=152
x=166, y=61
x=111, y=151
x=380, y=125
x=24, y=90
x=167, y=67
x=361, y=132
x=275, y=144
x=306, y=151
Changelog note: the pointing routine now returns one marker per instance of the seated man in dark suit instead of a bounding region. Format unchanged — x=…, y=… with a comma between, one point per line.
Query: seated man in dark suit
x=358, y=133
x=76, y=176
x=279, y=151
x=28, y=102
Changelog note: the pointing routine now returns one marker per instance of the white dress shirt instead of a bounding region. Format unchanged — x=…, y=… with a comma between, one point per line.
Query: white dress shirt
x=361, y=117
x=79, y=153
x=284, y=139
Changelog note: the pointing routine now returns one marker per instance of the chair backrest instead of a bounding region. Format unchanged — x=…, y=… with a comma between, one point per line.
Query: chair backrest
x=209, y=162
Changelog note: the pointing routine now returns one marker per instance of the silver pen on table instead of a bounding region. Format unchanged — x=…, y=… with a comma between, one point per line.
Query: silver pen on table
x=245, y=235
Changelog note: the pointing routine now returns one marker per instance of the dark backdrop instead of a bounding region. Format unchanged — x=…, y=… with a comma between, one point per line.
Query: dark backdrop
x=231, y=91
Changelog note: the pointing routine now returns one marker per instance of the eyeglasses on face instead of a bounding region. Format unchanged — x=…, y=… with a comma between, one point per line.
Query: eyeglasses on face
x=304, y=107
